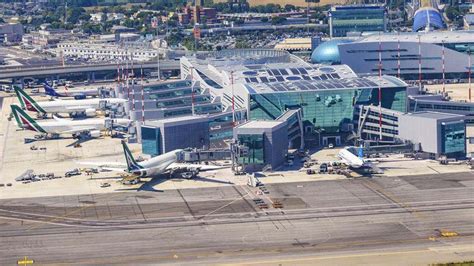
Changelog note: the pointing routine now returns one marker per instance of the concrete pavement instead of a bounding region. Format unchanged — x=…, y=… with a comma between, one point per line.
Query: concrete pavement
x=325, y=222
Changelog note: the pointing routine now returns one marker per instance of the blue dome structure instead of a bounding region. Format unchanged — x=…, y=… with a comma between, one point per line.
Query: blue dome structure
x=327, y=52
x=428, y=18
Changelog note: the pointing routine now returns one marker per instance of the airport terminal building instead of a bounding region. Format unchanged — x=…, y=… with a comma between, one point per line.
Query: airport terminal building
x=403, y=54
x=267, y=83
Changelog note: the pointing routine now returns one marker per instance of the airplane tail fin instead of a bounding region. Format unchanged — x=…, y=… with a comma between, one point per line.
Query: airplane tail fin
x=50, y=90
x=27, y=102
x=132, y=165
x=360, y=152
x=24, y=120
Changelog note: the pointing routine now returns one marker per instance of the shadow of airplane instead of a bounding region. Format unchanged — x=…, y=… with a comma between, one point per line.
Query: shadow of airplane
x=149, y=185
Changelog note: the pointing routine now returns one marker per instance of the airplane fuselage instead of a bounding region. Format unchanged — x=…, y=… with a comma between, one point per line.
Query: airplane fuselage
x=159, y=164
x=350, y=159
x=63, y=125
x=69, y=106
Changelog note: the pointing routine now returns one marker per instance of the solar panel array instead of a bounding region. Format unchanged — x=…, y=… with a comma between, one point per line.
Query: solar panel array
x=304, y=85
x=303, y=79
x=281, y=78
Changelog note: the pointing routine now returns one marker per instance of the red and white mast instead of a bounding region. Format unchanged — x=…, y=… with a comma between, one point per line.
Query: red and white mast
x=192, y=91
x=380, y=85
x=444, y=75
x=143, y=95
x=419, y=62
x=398, y=57
x=233, y=100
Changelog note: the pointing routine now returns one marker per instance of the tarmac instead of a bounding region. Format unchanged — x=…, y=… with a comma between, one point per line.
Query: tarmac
x=58, y=156
x=383, y=220
x=457, y=91
x=392, y=219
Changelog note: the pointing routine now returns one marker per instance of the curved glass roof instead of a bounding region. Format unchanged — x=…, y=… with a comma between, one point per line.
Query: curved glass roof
x=428, y=17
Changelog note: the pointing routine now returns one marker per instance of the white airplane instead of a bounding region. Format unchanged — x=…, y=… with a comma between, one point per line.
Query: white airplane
x=354, y=158
x=58, y=126
x=71, y=107
x=351, y=157
x=161, y=164
x=77, y=94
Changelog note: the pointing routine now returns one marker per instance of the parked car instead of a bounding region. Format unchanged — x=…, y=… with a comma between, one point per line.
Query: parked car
x=72, y=173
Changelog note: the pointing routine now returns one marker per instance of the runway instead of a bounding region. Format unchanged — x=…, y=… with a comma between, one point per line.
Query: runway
x=340, y=218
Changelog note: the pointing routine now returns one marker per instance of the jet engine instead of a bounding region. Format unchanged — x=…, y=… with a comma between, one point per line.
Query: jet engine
x=90, y=112
x=94, y=133
x=139, y=172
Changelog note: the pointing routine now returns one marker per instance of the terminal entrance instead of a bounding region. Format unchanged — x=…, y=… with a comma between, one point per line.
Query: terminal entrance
x=335, y=140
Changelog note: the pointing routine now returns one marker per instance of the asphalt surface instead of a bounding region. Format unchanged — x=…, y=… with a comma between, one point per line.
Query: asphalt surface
x=224, y=225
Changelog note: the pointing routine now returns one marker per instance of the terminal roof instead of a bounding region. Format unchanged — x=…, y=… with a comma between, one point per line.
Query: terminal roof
x=280, y=72
x=435, y=115
x=261, y=124
x=428, y=37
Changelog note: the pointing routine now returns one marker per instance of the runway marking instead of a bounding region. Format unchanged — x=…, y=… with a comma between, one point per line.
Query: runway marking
x=220, y=208
x=434, y=169
x=140, y=208
x=347, y=208
x=264, y=250
x=388, y=195
x=70, y=213
x=186, y=202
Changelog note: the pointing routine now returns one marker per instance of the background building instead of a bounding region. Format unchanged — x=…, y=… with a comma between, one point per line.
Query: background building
x=11, y=33
x=427, y=19
x=401, y=54
x=356, y=18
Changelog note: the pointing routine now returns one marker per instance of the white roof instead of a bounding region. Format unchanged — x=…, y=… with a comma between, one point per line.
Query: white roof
x=429, y=37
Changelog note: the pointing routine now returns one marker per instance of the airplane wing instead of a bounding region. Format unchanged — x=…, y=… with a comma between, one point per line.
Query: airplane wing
x=78, y=129
x=109, y=166
x=199, y=167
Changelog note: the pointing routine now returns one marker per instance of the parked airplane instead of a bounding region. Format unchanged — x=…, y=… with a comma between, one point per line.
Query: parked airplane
x=77, y=94
x=161, y=164
x=350, y=156
x=354, y=158
x=77, y=128
x=71, y=107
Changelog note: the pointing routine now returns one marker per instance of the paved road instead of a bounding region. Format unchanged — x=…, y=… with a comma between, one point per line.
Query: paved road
x=224, y=225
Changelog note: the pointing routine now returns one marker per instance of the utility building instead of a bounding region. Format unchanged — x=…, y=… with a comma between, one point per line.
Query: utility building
x=162, y=136
x=267, y=143
x=435, y=133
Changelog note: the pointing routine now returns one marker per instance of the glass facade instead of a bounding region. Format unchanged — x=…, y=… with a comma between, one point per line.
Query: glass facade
x=151, y=141
x=361, y=19
x=254, y=142
x=328, y=110
x=167, y=86
x=453, y=139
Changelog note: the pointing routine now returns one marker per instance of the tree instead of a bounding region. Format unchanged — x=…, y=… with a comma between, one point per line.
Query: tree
x=289, y=7
x=278, y=20
x=452, y=13
x=74, y=14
